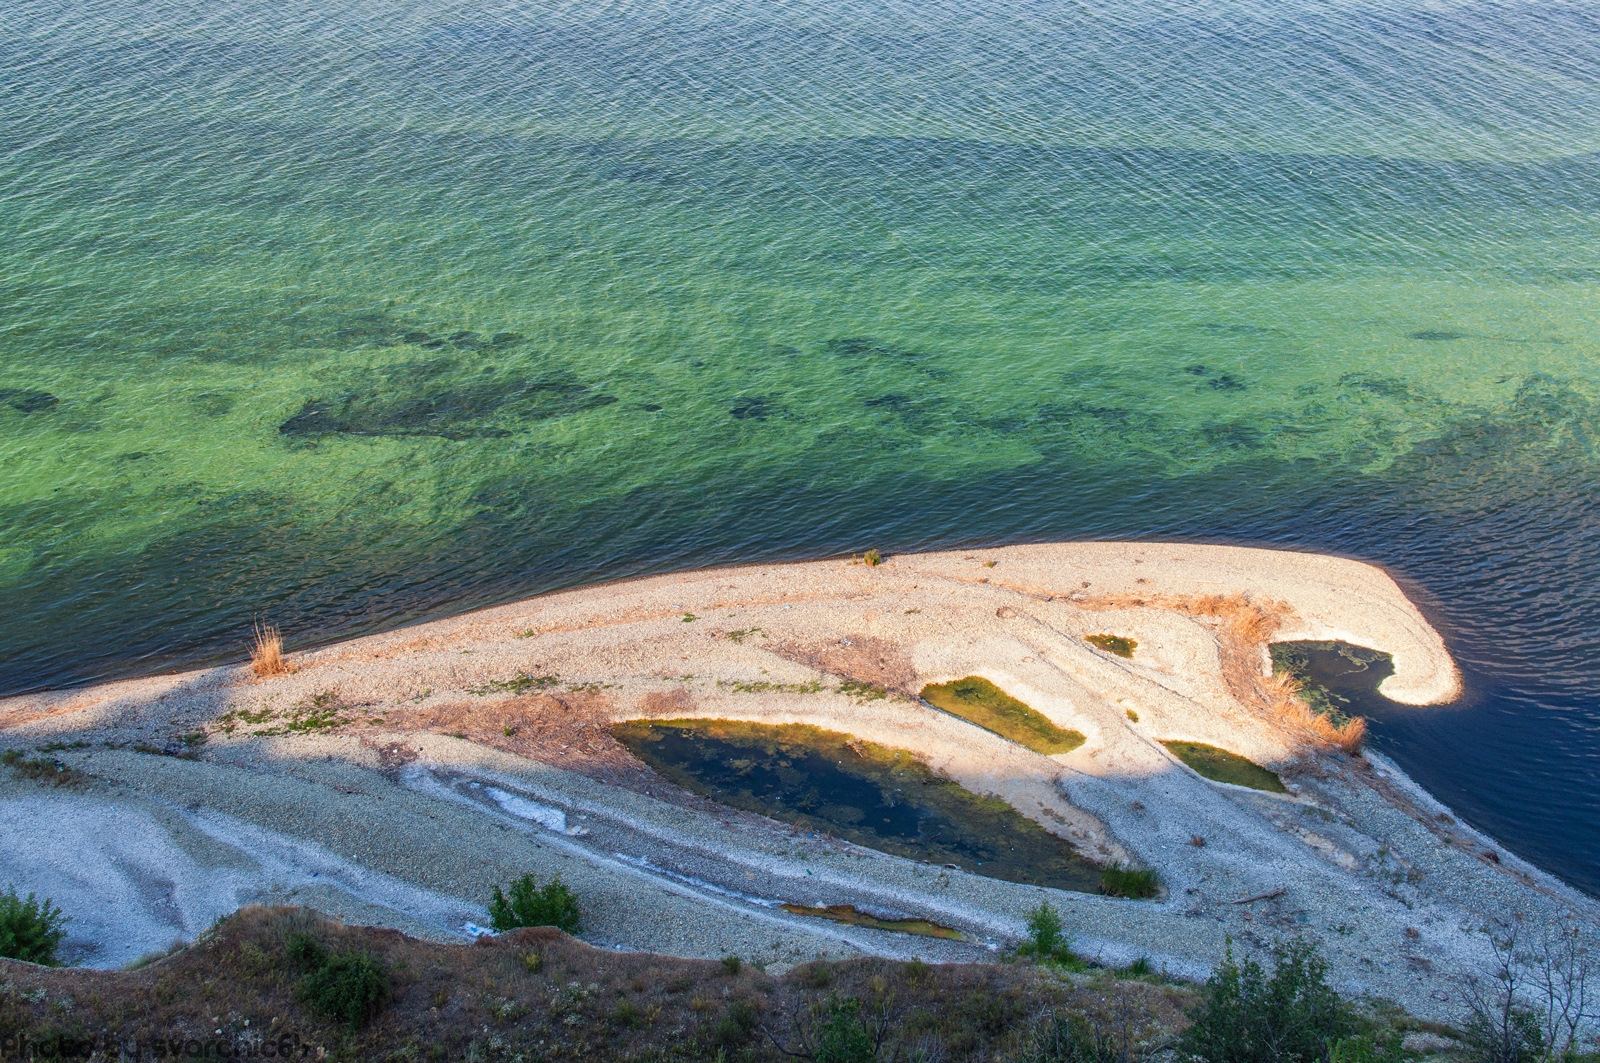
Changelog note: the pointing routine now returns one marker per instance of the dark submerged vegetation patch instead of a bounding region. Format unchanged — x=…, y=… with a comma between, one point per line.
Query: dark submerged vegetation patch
x=464, y=410
x=27, y=400
x=752, y=408
x=1220, y=765
x=1328, y=672
x=882, y=798
x=979, y=701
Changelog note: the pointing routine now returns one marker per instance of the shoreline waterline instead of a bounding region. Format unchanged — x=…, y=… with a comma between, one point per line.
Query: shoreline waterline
x=517, y=702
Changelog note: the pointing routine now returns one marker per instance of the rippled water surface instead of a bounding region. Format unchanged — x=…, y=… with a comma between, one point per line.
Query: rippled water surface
x=344, y=315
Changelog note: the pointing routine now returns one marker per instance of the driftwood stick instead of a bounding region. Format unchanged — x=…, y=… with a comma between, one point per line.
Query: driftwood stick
x=1267, y=896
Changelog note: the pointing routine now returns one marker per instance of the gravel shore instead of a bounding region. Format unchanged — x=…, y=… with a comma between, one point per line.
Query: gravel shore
x=393, y=780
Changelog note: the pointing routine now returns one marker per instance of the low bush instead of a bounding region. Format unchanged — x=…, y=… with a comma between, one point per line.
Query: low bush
x=350, y=987
x=1070, y=1039
x=735, y=1027
x=1047, y=941
x=841, y=1034
x=1386, y=1048
x=552, y=904
x=1245, y=1016
x=29, y=929
x=305, y=952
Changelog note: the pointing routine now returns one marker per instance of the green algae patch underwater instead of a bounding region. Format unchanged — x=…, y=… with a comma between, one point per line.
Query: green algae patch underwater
x=847, y=914
x=1331, y=673
x=1219, y=765
x=979, y=701
x=1117, y=644
x=885, y=799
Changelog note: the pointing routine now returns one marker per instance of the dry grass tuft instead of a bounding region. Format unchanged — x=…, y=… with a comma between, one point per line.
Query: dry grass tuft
x=266, y=656
x=1250, y=621
x=1282, y=695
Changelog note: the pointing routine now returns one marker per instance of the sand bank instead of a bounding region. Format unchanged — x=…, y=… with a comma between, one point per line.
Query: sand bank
x=410, y=771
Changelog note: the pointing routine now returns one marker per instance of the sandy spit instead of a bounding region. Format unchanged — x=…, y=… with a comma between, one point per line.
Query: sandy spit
x=392, y=780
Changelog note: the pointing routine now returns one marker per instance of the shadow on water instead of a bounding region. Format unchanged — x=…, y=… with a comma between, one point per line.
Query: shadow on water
x=881, y=798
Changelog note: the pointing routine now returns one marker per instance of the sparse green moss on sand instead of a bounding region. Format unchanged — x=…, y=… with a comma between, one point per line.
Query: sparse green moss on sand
x=1223, y=766
x=979, y=701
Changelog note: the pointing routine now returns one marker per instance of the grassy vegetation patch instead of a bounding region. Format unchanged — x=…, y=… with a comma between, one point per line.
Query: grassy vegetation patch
x=979, y=701
x=847, y=914
x=324, y=711
x=46, y=770
x=538, y=995
x=1223, y=766
x=834, y=783
x=1117, y=644
x=519, y=684
x=1135, y=882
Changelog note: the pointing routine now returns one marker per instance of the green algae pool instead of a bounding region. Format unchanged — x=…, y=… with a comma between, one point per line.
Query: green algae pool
x=881, y=798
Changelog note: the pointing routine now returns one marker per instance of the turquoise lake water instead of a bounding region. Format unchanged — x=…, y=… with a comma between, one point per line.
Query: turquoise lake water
x=344, y=315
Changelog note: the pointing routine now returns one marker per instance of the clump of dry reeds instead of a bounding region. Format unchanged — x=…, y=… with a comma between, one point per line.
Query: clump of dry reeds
x=1283, y=699
x=266, y=655
x=1251, y=622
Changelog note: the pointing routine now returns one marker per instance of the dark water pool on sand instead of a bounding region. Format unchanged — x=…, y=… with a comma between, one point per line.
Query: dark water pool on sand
x=829, y=782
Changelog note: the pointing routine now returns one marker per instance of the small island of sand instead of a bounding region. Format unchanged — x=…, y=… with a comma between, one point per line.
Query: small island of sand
x=1103, y=703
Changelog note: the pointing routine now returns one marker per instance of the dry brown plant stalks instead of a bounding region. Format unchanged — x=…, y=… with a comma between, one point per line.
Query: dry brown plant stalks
x=266, y=656
x=1282, y=694
x=1250, y=621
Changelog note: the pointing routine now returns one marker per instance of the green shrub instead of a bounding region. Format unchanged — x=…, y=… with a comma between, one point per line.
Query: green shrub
x=1047, y=941
x=736, y=1025
x=732, y=964
x=350, y=986
x=552, y=904
x=29, y=930
x=842, y=1036
x=1246, y=1017
x=1508, y=1035
x=1368, y=1049
x=1045, y=935
x=1119, y=881
x=626, y=1015
x=1070, y=1039
x=305, y=952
